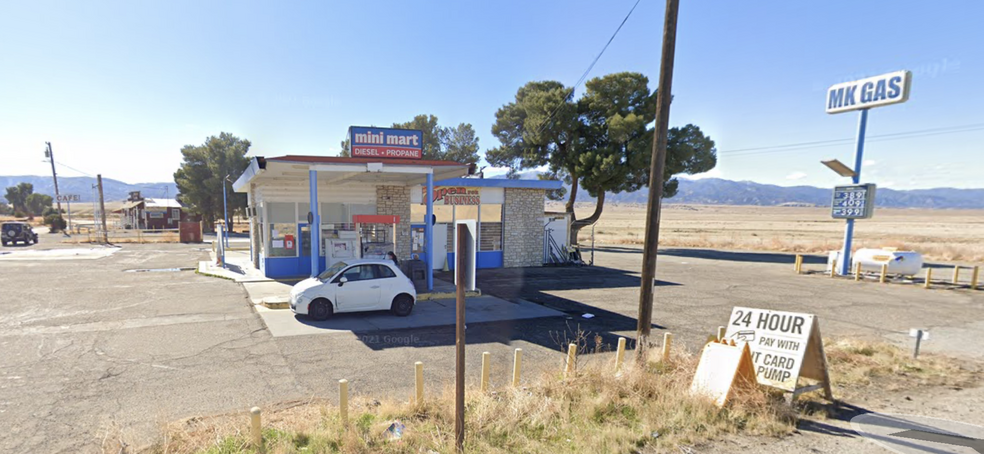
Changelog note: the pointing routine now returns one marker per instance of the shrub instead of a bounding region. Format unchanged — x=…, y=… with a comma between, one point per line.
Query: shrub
x=55, y=222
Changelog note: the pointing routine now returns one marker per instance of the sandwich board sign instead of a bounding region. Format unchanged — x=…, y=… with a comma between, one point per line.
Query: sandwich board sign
x=785, y=346
x=723, y=368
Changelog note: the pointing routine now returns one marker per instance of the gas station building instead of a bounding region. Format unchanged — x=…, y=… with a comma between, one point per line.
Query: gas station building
x=370, y=204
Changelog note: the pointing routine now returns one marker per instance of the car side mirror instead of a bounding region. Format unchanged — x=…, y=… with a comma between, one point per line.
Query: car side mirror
x=342, y=281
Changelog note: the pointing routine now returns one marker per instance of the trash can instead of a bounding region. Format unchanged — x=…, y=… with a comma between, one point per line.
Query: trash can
x=416, y=270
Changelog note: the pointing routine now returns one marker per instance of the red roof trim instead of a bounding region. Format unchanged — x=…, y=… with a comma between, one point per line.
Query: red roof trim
x=347, y=160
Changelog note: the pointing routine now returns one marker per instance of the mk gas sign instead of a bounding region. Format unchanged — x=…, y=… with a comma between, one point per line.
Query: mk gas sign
x=386, y=143
x=891, y=88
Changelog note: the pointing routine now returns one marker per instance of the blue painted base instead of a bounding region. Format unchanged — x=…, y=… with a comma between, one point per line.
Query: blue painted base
x=281, y=267
x=487, y=259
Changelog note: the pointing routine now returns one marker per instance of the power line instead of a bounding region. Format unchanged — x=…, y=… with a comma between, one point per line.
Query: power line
x=587, y=71
x=834, y=142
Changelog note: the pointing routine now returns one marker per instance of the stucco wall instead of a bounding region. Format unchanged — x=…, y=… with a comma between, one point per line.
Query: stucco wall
x=395, y=200
x=523, y=219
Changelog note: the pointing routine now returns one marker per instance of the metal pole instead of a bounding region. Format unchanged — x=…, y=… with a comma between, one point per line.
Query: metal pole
x=225, y=214
x=429, y=233
x=656, y=176
x=70, y=218
x=459, y=340
x=54, y=175
x=102, y=207
x=845, y=256
x=315, y=225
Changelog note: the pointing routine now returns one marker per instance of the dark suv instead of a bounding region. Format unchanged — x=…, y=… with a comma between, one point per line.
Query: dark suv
x=12, y=232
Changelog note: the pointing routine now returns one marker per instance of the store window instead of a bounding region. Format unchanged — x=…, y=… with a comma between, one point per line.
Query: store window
x=283, y=229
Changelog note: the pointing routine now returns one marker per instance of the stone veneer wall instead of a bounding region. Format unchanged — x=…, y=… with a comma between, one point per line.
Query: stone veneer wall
x=395, y=200
x=523, y=224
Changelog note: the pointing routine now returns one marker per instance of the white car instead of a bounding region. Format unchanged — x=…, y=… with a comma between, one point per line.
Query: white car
x=354, y=286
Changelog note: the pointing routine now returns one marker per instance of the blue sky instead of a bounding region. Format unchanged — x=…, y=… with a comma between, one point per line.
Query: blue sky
x=119, y=87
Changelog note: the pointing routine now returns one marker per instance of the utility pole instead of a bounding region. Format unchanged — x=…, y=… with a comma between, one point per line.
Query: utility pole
x=51, y=156
x=102, y=207
x=656, y=168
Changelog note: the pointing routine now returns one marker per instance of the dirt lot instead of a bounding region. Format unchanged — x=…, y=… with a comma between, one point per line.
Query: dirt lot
x=94, y=354
x=950, y=235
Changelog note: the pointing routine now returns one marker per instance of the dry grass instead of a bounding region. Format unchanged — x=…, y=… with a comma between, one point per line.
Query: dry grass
x=590, y=413
x=855, y=365
x=949, y=235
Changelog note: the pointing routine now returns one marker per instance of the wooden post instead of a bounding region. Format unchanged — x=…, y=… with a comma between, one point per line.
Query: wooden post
x=884, y=274
x=929, y=277
x=486, y=364
x=459, y=339
x=517, y=361
x=721, y=331
x=619, y=354
x=667, y=344
x=657, y=165
x=343, y=401
x=833, y=268
x=419, y=383
x=255, y=434
x=956, y=274
x=857, y=271
x=571, y=357
x=973, y=277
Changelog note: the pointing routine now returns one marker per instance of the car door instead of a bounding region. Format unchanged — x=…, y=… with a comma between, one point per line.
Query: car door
x=360, y=292
x=388, y=281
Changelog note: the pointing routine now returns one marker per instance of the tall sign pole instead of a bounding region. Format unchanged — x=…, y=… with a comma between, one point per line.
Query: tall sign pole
x=844, y=267
x=656, y=169
x=862, y=95
x=54, y=175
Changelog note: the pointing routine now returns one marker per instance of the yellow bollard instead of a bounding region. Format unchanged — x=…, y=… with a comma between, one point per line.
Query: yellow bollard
x=254, y=427
x=419, y=381
x=619, y=355
x=973, y=277
x=486, y=363
x=884, y=274
x=571, y=357
x=857, y=271
x=517, y=360
x=343, y=401
x=929, y=277
x=833, y=268
x=667, y=344
x=798, y=264
x=721, y=331
x=956, y=275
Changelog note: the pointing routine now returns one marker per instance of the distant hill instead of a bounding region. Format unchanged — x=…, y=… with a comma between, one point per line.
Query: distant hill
x=113, y=190
x=708, y=191
x=716, y=191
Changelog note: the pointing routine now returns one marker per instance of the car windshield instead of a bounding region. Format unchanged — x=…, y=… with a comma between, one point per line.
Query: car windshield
x=332, y=270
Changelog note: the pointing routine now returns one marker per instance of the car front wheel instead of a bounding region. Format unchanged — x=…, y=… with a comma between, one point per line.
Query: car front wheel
x=402, y=305
x=320, y=310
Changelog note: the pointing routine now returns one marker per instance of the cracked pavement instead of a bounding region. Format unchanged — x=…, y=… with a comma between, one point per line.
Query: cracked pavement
x=91, y=354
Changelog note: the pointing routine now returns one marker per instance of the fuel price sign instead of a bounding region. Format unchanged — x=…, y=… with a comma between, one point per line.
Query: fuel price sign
x=853, y=202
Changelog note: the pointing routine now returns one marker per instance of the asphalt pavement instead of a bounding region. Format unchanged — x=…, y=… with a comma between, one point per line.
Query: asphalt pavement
x=95, y=350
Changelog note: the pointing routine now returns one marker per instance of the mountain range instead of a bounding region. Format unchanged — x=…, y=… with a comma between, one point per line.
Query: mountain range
x=707, y=191
x=717, y=191
x=113, y=190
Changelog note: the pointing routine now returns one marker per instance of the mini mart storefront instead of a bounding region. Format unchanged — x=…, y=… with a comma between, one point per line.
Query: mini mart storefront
x=366, y=207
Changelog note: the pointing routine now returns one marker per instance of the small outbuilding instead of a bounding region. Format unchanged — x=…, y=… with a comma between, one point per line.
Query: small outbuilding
x=146, y=213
